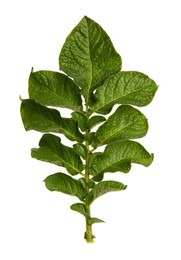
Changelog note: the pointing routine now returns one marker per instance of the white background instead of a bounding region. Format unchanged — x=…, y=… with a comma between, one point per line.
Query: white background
x=143, y=222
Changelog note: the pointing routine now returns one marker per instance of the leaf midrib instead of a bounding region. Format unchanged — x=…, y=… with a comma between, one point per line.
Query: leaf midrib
x=80, y=192
x=114, y=101
x=127, y=159
x=91, y=68
x=117, y=132
x=69, y=191
x=100, y=190
x=63, y=161
x=61, y=118
x=65, y=100
x=56, y=157
x=55, y=93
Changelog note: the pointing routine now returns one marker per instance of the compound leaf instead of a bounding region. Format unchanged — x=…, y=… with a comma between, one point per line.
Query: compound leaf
x=105, y=187
x=88, y=56
x=54, y=89
x=91, y=83
x=118, y=156
x=125, y=123
x=53, y=151
x=126, y=87
x=66, y=184
x=43, y=119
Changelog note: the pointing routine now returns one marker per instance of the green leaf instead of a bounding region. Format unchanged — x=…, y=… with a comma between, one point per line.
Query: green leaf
x=80, y=208
x=118, y=156
x=53, y=151
x=95, y=120
x=96, y=220
x=81, y=119
x=126, y=87
x=83, y=181
x=89, y=137
x=39, y=118
x=54, y=89
x=70, y=129
x=43, y=119
x=88, y=56
x=91, y=183
x=105, y=187
x=125, y=123
x=99, y=177
x=81, y=150
x=66, y=184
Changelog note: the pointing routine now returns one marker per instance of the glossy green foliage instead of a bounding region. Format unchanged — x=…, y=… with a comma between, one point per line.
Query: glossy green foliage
x=91, y=83
x=43, y=119
x=53, y=151
x=66, y=184
x=126, y=87
x=125, y=123
x=54, y=89
x=118, y=156
x=88, y=56
x=104, y=187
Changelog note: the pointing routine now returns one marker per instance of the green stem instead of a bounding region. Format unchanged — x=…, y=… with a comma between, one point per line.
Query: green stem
x=88, y=235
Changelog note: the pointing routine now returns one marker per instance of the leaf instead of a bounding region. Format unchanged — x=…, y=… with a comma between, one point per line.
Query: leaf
x=43, y=119
x=125, y=123
x=89, y=137
x=66, y=184
x=81, y=150
x=53, y=151
x=91, y=183
x=118, y=156
x=126, y=87
x=81, y=119
x=70, y=129
x=80, y=208
x=99, y=177
x=88, y=56
x=95, y=120
x=96, y=220
x=54, y=89
x=105, y=187
x=39, y=118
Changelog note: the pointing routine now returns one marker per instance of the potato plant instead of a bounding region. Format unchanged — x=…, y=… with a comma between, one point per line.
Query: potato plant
x=90, y=83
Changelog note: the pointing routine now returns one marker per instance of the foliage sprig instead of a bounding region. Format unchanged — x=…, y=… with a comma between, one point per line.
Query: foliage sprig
x=91, y=84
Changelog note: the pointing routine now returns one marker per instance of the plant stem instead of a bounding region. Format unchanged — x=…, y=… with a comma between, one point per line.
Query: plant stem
x=88, y=235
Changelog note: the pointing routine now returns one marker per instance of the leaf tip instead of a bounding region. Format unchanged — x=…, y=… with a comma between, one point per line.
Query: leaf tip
x=85, y=18
x=152, y=157
x=20, y=98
